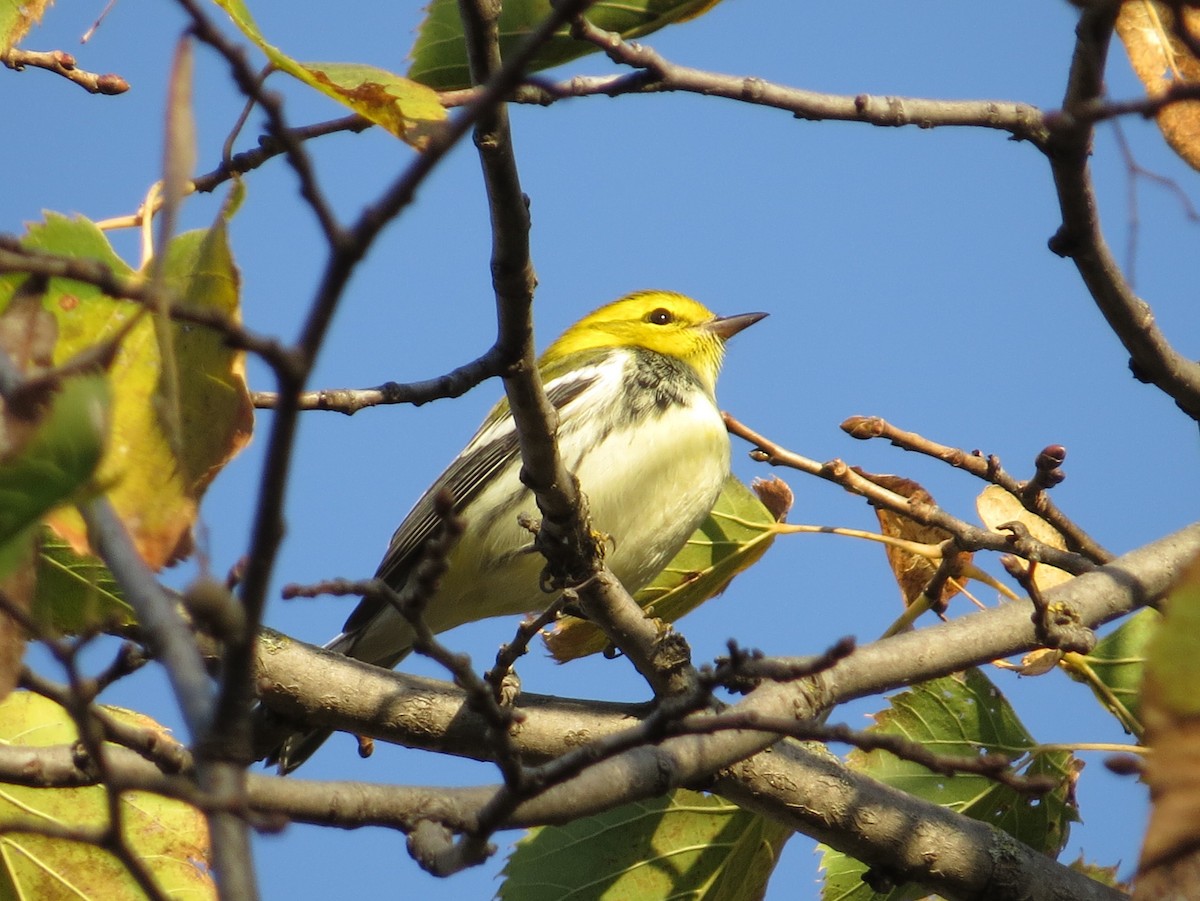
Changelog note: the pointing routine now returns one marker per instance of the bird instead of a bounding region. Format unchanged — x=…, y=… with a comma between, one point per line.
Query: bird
x=634, y=386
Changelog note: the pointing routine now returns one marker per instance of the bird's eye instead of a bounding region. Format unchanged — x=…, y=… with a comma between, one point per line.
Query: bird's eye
x=660, y=316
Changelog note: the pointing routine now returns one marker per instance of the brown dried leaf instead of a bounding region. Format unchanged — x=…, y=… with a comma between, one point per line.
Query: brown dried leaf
x=776, y=495
x=1173, y=836
x=1171, y=712
x=1160, y=59
x=913, y=572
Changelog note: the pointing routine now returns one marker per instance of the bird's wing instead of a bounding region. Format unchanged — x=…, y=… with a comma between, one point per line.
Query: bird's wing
x=494, y=447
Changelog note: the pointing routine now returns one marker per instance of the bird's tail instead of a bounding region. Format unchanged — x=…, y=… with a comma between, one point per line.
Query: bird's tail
x=293, y=750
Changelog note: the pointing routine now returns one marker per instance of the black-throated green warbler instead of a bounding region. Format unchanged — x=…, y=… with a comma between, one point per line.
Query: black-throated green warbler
x=633, y=383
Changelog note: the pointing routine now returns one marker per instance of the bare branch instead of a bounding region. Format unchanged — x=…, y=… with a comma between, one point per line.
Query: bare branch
x=1152, y=357
x=1030, y=493
x=62, y=63
x=1018, y=119
x=350, y=400
x=15, y=258
x=968, y=537
x=820, y=803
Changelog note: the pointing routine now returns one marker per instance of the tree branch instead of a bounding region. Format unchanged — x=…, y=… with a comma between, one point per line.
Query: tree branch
x=967, y=537
x=1030, y=493
x=422, y=713
x=1152, y=357
x=62, y=63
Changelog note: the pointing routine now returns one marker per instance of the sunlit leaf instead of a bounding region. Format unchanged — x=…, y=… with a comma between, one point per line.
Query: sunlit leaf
x=75, y=591
x=216, y=412
x=997, y=507
x=53, y=432
x=683, y=845
x=1160, y=60
x=439, y=56
x=53, y=466
x=409, y=110
x=154, y=490
x=733, y=537
x=17, y=17
x=961, y=715
x=169, y=837
x=1113, y=670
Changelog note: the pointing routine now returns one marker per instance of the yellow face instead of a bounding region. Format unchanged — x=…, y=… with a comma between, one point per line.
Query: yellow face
x=659, y=321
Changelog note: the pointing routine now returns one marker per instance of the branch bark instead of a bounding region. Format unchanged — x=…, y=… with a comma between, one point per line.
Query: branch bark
x=1152, y=357
x=794, y=787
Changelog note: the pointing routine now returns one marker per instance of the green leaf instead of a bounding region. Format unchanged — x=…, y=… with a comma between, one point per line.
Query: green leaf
x=57, y=461
x=154, y=487
x=1113, y=670
x=735, y=535
x=961, y=715
x=17, y=17
x=682, y=845
x=170, y=837
x=216, y=412
x=1173, y=653
x=75, y=591
x=408, y=110
x=439, y=57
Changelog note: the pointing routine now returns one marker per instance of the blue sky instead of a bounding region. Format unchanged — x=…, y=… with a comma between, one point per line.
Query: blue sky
x=906, y=273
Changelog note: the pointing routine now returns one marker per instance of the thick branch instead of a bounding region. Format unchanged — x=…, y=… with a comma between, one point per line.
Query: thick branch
x=402, y=708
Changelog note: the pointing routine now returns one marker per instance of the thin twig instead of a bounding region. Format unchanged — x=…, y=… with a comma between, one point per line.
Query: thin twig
x=62, y=63
x=350, y=400
x=967, y=536
x=1030, y=493
x=15, y=258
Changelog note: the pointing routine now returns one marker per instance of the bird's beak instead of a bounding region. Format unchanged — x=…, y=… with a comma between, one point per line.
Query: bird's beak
x=725, y=327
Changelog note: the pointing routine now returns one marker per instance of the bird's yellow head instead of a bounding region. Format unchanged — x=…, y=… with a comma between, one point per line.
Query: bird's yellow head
x=670, y=324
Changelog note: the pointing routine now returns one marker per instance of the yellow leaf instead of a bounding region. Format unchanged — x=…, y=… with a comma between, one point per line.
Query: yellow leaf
x=1035, y=663
x=16, y=18
x=155, y=489
x=410, y=111
x=997, y=507
x=170, y=837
